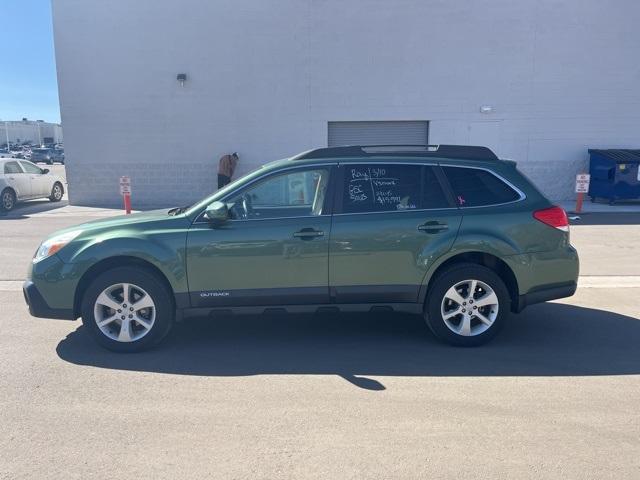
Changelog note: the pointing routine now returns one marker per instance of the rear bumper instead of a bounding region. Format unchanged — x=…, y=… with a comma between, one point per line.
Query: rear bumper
x=546, y=294
x=544, y=276
x=38, y=307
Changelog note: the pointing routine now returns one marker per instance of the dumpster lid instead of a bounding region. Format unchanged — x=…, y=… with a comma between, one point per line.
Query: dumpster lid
x=618, y=155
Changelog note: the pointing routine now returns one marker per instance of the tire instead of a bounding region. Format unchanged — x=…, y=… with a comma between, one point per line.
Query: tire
x=155, y=321
x=475, y=326
x=7, y=200
x=57, y=191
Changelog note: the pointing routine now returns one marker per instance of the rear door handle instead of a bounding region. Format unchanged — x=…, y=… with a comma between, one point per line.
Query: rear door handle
x=308, y=233
x=433, y=227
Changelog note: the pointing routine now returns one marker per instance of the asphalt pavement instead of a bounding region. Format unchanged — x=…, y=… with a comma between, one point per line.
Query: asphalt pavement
x=556, y=395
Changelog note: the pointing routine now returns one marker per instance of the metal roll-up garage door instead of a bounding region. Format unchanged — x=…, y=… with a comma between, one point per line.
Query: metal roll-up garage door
x=378, y=133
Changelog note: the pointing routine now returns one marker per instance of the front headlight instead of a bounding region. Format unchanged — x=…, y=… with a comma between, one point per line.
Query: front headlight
x=54, y=244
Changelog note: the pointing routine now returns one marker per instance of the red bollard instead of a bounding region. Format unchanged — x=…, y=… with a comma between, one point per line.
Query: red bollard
x=127, y=203
x=579, y=201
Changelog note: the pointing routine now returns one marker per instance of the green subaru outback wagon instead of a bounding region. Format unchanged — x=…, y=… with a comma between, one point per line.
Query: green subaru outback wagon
x=448, y=232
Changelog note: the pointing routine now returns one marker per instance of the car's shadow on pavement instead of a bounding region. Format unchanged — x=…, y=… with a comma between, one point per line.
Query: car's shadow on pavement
x=31, y=207
x=546, y=340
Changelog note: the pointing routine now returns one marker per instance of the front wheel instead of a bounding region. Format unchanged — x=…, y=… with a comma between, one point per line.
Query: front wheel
x=467, y=305
x=128, y=309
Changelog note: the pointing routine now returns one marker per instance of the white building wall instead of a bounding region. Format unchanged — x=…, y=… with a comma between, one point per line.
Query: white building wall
x=265, y=77
x=29, y=131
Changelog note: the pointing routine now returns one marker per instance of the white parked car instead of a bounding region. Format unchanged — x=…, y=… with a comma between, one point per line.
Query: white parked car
x=23, y=180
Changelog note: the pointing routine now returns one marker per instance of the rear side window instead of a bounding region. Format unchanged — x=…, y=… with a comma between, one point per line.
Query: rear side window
x=12, y=167
x=390, y=187
x=474, y=188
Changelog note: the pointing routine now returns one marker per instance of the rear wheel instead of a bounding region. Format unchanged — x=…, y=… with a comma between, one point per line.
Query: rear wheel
x=8, y=200
x=56, y=192
x=467, y=305
x=128, y=309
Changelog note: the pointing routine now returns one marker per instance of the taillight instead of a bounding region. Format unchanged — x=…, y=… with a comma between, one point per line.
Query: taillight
x=554, y=217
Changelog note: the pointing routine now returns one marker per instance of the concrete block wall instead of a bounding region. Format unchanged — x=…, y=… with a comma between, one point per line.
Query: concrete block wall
x=264, y=77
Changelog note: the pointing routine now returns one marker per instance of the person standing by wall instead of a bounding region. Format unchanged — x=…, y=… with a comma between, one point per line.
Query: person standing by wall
x=226, y=167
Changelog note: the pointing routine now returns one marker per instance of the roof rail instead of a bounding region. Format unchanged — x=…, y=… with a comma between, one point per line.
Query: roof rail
x=465, y=152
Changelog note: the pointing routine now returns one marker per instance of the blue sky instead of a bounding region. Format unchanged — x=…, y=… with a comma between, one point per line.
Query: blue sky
x=28, y=86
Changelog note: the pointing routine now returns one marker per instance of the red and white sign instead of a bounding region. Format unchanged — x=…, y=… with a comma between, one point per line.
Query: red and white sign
x=582, y=182
x=125, y=186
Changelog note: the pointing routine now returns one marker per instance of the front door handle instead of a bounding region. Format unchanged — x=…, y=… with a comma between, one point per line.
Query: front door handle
x=433, y=227
x=308, y=233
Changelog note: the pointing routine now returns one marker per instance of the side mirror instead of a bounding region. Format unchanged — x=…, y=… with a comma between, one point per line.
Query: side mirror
x=217, y=213
x=45, y=170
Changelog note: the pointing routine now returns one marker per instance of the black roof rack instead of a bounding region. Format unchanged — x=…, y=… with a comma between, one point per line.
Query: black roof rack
x=464, y=152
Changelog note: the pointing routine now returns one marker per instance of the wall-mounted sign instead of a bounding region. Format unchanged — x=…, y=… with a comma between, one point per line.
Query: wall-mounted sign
x=582, y=182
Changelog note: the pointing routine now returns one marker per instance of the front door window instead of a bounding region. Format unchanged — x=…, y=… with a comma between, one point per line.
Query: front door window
x=294, y=194
x=31, y=168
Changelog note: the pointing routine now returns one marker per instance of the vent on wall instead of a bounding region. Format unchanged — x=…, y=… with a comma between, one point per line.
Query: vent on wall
x=378, y=133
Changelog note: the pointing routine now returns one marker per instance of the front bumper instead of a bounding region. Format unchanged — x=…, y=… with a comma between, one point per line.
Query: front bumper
x=38, y=307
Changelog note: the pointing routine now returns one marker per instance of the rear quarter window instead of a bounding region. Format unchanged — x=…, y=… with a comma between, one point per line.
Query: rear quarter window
x=473, y=187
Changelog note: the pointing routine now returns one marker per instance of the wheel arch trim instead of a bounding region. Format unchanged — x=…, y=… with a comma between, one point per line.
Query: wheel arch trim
x=485, y=258
x=125, y=260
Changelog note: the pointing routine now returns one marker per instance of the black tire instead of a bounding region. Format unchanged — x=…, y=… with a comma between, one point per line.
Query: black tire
x=160, y=294
x=447, y=279
x=57, y=191
x=7, y=200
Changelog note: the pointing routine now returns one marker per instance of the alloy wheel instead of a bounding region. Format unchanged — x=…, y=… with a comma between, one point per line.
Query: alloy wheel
x=469, y=308
x=57, y=192
x=7, y=200
x=124, y=312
